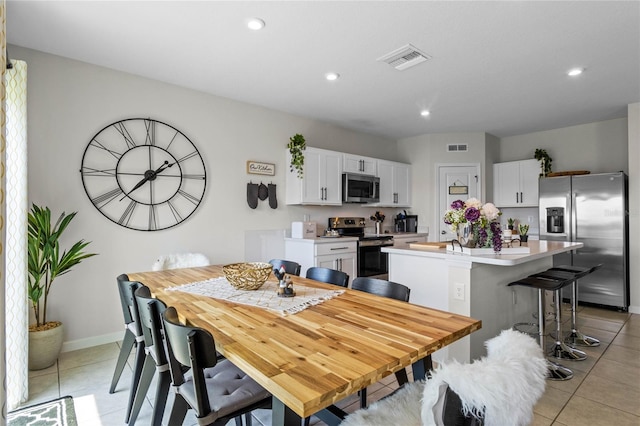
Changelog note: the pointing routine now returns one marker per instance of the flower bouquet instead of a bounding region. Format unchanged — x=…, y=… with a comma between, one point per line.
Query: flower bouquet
x=475, y=224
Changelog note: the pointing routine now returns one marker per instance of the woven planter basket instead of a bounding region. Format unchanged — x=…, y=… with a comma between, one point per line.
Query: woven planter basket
x=247, y=276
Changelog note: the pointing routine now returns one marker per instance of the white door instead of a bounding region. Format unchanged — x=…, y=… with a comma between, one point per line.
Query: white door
x=455, y=182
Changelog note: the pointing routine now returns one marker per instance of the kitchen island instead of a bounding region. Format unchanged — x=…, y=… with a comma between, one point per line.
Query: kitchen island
x=475, y=286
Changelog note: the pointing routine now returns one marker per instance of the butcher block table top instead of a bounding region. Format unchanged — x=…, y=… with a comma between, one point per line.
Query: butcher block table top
x=316, y=357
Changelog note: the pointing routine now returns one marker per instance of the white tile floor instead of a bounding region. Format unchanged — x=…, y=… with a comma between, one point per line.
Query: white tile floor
x=604, y=391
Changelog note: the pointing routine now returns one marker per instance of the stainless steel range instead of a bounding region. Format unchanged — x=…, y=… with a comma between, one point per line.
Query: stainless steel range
x=372, y=262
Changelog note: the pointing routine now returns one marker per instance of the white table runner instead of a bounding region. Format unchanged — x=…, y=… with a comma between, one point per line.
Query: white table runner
x=265, y=297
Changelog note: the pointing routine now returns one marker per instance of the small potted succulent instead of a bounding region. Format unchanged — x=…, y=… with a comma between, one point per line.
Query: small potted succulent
x=510, y=223
x=523, y=229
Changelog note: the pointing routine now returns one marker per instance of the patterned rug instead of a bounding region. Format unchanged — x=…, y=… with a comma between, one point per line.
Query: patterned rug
x=59, y=412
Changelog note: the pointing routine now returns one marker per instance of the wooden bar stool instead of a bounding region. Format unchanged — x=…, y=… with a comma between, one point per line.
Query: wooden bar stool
x=555, y=371
x=575, y=337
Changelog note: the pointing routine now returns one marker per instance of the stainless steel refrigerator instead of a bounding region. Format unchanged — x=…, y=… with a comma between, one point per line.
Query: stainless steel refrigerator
x=591, y=209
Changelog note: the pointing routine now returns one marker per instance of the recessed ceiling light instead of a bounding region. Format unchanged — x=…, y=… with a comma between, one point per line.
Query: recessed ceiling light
x=575, y=71
x=425, y=113
x=332, y=76
x=255, y=24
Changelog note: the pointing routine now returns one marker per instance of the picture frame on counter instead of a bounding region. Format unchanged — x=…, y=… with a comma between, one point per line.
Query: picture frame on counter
x=260, y=168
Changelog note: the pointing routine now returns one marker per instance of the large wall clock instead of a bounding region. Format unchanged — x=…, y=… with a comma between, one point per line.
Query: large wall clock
x=143, y=174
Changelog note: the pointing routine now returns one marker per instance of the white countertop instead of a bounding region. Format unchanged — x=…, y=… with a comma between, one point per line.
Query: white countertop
x=398, y=234
x=323, y=240
x=538, y=250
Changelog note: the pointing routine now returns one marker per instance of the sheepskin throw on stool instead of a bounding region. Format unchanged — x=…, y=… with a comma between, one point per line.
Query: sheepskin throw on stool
x=181, y=260
x=501, y=388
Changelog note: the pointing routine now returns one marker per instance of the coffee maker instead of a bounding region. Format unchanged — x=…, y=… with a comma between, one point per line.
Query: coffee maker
x=406, y=223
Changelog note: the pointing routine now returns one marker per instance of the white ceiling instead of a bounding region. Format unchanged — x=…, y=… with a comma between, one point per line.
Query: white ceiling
x=496, y=67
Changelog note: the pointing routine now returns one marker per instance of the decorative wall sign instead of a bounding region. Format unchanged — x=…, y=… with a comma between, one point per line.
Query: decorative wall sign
x=258, y=168
x=458, y=190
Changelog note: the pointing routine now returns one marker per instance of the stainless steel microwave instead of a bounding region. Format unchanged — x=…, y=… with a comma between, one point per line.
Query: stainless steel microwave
x=360, y=188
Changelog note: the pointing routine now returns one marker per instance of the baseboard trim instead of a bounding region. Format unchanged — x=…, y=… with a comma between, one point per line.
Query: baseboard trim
x=74, y=345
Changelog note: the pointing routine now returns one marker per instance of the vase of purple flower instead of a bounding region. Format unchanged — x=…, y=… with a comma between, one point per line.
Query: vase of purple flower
x=475, y=224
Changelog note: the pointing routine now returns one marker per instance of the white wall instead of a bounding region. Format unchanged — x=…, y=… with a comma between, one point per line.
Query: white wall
x=425, y=151
x=71, y=101
x=599, y=147
x=634, y=206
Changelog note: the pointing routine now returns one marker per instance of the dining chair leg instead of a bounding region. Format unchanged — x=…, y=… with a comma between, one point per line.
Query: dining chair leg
x=135, y=379
x=148, y=370
x=127, y=344
x=162, y=392
x=178, y=410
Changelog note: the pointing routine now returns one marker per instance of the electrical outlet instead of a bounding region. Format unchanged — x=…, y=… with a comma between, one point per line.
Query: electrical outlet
x=458, y=291
x=530, y=219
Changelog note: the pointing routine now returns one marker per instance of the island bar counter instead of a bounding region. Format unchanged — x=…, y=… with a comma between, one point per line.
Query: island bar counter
x=475, y=286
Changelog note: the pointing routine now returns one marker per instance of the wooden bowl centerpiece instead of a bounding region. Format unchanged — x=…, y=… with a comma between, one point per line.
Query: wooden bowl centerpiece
x=248, y=275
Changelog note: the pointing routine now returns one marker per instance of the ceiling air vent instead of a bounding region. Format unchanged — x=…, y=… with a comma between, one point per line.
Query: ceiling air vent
x=404, y=57
x=452, y=147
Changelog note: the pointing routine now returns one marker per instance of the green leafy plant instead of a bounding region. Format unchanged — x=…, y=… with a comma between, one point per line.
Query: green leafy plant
x=296, y=147
x=545, y=161
x=45, y=262
x=523, y=229
x=510, y=223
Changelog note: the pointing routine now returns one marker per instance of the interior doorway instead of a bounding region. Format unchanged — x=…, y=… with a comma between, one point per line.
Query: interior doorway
x=455, y=182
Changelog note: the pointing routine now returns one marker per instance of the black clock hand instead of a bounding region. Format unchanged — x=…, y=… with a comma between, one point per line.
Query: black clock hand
x=148, y=175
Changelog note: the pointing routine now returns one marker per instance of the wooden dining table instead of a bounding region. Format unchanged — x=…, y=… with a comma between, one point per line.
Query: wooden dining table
x=312, y=359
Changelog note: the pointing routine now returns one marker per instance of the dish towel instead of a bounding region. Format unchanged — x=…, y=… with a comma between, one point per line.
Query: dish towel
x=265, y=297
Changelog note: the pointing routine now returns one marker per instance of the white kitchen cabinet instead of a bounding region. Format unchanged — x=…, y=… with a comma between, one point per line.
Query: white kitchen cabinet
x=515, y=183
x=359, y=164
x=335, y=253
x=403, y=241
x=395, y=184
x=321, y=183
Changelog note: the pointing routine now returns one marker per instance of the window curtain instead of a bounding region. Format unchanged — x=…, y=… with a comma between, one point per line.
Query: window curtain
x=3, y=382
x=16, y=209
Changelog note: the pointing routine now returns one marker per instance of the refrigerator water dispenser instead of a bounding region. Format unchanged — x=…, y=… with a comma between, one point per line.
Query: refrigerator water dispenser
x=555, y=220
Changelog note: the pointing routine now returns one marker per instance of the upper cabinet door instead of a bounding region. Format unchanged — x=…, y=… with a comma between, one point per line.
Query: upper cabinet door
x=359, y=164
x=395, y=184
x=321, y=182
x=516, y=183
x=332, y=178
x=529, y=181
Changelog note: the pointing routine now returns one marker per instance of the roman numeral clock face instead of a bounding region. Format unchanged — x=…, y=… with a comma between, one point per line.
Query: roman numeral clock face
x=143, y=174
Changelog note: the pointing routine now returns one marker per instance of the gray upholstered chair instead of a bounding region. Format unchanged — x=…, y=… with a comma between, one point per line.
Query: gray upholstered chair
x=216, y=390
x=290, y=267
x=327, y=275
x=132, y=336
x=499, y=389
x=155, y=361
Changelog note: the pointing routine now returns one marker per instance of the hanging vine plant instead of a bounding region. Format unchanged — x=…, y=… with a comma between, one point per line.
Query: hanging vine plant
x=545, y=161
x=296, y=147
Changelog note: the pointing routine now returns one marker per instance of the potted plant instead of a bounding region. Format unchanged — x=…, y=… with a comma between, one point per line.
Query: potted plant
x=523, y=229
x=296, y=147
x=545, y=161
x=510, y=223
x=45, y=263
